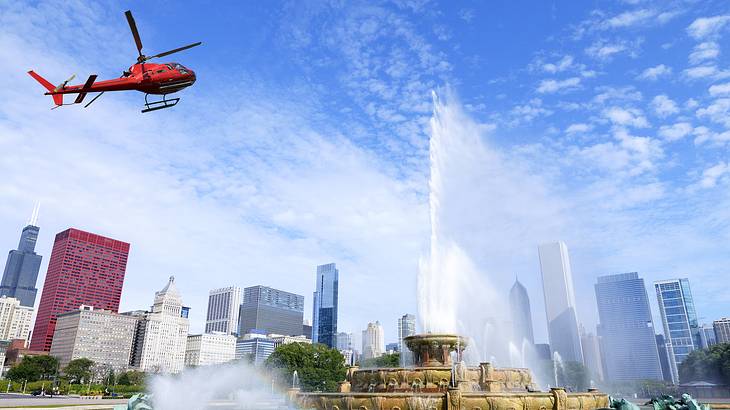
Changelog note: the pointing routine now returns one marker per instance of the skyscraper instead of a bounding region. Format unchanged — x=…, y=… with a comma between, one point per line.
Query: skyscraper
x=557, y=284
x=223, y=310
x=519, y=303
x=627, y=329
x=344, y=341
x=663, y=358
x=406, y=327
x=681, y=330
x=22, y=266
x=722, y=330
x=272, y=310
x=373, y=341
x=324, y=315
x=162, y=334
x=592, y=354
x=84, y=269
x=707, y=336
x=15, y=319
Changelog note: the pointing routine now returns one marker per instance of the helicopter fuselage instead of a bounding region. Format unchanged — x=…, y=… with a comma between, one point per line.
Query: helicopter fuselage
x=149, y=78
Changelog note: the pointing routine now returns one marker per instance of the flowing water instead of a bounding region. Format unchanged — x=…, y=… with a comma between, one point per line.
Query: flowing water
x=455, y=295
x=228, y=386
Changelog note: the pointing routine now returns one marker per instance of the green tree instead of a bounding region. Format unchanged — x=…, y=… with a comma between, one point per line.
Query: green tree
x=79, y=370
x=711, y=364
x=34, y=368
x=319, y=367
x=386, y=360
x=574, y=376
x=131, y=377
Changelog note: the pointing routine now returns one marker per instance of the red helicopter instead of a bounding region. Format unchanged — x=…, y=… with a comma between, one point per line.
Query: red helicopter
x=149, y=78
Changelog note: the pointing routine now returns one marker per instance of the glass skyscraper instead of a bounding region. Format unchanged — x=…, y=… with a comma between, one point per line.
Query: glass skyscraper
x=324, y=314
x=22, y=266
x=271, y=310
x=557, y=283
x=681, y=330
x=519, y=303
x=626, y=329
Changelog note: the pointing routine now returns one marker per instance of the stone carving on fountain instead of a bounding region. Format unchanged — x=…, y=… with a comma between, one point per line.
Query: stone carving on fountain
x=438, y=383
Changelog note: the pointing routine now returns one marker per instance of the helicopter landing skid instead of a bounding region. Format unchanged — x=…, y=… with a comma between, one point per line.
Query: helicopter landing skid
x=159, y=105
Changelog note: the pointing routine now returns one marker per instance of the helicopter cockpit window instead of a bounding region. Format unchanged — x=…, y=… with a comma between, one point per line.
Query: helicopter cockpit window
x=179, y=67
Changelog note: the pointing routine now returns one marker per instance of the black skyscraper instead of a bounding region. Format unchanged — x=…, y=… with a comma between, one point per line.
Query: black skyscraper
x=21, y=269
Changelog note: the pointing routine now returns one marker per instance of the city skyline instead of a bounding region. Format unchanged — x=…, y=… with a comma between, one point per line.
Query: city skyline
x=396, y=331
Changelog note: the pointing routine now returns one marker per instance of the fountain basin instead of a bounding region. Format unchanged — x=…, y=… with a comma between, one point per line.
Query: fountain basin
x=434, y=349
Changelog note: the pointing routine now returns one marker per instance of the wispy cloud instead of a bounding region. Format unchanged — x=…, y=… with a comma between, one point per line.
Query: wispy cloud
x=676, y=131
x=664, y=106
x=656, y=72
x=552, y=86
x=708, y=50
x=707, y=26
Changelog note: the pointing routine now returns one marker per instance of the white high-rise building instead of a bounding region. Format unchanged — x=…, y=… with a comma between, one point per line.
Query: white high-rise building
x=557, y=284
x=373, y=341
x=100, y=335
x=210, y=348
x=14, y=319
x=722, y=330
x=223, y=310
x=163, y=334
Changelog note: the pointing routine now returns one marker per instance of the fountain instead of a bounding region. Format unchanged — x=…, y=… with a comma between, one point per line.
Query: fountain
x=452, y=297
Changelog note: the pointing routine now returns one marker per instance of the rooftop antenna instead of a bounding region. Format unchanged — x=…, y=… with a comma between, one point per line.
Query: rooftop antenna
x=34, y=216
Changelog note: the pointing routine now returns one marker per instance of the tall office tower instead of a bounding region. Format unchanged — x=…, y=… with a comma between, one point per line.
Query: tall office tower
x=307, y=329
x=722, y=330
x=681, y=330
x=707, y=336
x=592, y=354
x=209, y=349
x=223, y=309
x=84, y=269
x=373, y=341
x=162, y=334
x=21, y=269
x=324, y=315
x=626, y=328
x=271, y=310
x=406, y=327
x=663, y=358
x=344, y=341
x=99, y=335
x=519, y=303
x=557, y=284
x=14, y=319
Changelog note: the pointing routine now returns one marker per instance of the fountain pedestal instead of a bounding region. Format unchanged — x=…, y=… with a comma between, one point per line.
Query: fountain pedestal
x=434, y=350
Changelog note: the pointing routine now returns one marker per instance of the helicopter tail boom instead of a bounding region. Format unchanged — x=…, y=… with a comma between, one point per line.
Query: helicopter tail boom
x=57, y=98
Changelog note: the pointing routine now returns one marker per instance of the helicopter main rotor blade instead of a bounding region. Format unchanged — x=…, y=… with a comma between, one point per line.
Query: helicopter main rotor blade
x=167, y=53
x=135, y=33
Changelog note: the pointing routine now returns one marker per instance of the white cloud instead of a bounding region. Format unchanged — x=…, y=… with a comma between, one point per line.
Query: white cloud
x=605, y=51
x=656, y=72
x=711, y=72
x=708, y=50
x=707, y=26
x=632, y=117
x=703, y=134
x=712, y=175
x=676, y=131
x=631, y=18
x=663, y=106
x=718, y=111
x=720, y=89
x=578, y=128
x=565, y=63
x=525, y=113
x=551, y=86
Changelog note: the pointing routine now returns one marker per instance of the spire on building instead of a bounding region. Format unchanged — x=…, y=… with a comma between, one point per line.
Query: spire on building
x=33, y=221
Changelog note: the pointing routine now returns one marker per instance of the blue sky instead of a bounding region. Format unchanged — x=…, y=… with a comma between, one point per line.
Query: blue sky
x=305, y=141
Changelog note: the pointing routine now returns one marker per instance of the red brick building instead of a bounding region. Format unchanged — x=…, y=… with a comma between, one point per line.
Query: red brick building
x=84, y=269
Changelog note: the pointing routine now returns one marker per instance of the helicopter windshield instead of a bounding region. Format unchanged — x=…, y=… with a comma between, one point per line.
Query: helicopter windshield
x=179, y=67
